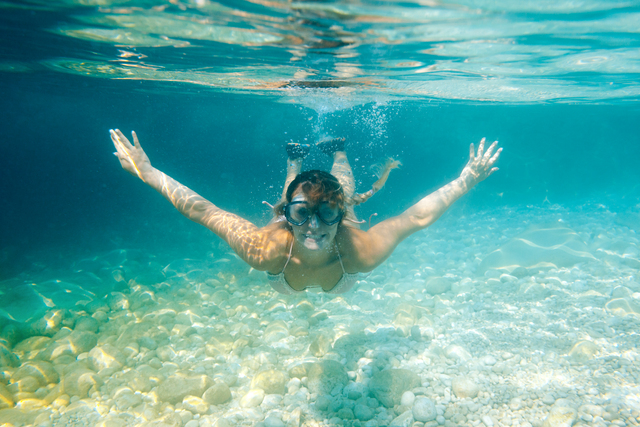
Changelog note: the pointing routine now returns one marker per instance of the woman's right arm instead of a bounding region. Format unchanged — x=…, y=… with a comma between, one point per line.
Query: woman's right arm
x=257, y=246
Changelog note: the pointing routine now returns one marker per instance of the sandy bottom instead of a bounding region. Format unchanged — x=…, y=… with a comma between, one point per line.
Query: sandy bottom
x=512, y=317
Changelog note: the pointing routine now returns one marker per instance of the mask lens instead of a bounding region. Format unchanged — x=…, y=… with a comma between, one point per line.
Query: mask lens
x=297, y=213
x=327, y=214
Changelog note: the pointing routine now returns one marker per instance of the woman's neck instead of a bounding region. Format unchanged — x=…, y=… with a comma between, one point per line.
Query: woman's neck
x=314, y=258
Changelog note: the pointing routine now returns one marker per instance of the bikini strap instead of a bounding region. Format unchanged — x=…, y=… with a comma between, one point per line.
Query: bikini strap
x=289, y=258
x=340, y=259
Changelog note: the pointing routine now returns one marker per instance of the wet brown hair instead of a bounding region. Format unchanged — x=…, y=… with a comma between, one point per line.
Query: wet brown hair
x=318, y=186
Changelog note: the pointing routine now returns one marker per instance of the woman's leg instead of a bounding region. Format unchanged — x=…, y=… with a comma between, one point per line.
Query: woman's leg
x=342, y=171
x=295, y=153
x=294, y=166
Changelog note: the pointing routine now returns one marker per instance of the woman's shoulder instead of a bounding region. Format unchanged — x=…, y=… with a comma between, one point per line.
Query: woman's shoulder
x=353, y=244
x=275, y=247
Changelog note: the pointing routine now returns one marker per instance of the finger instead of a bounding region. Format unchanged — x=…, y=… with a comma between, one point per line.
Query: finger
x=472, y=152
x=489, y=152
x=116, y=142
x=481, y=147
x=495, y=157
x=492, y=171
x=135, y=139
x=123, y=148
x=124, y=140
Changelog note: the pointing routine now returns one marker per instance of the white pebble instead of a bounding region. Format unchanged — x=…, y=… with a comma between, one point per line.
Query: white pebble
x=489, y=360
x=424, y=409
x=252, y=398
x=548, y=399
x=407, y=398
x=273, y=421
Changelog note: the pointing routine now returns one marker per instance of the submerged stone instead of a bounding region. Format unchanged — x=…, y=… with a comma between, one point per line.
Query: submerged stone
x=48, y=325
x=583, y=351
x=106, y=356
x=218, y=394
x=623, y=307
x=43, y=372
x=424, y=409
x=324, y=376
x=403, y=420
x=252, y=399
x=363, y=412
x=561, y=417
x=6, y=398
x=86, y=324
x=388, y=386
x=195, y=405
x=271, y=381
x=320, y=345
x=79, y=382
x=17, y=417
x=464, y=387
x=455, y=352
x=75, y=343
x=438, y=285
x=176, y=387
x=276, y=331
x=7, y=358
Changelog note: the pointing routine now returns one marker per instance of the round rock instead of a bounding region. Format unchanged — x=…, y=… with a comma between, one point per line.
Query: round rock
x=438, y=285
x=106, y=356
x=322, y=403
x=561, y=417
x=424, y=409
x=324, y=376
x=6, y=397
x=273, y=421
x=407, y=399
x=42, y=371
x=79, y=382
x=175, y=388
x=218, y=394
x=252, y=399
x=271, y=381
x=465, y=387
x=455, y=352
x=363, y=412
x=388, y=386
x=86, y=323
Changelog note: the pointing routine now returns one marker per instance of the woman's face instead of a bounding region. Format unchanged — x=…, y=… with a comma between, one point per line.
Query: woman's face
x=313, y=234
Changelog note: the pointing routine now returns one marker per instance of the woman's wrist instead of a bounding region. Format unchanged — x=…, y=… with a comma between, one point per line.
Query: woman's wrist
x=151, y=177
x=467, y=180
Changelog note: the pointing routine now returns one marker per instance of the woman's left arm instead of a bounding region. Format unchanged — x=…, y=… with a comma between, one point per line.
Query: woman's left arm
x=378, y=243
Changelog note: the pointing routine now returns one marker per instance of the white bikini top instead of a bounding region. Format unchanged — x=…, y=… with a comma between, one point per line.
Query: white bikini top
x=279, y=283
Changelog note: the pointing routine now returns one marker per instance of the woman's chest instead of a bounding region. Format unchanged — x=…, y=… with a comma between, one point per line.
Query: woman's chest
x=299, y=276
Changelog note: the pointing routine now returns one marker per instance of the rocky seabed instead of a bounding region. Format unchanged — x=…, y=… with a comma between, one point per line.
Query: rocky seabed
x=471, y=323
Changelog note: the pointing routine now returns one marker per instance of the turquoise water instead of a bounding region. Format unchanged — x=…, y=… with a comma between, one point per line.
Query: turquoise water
x=519, y=307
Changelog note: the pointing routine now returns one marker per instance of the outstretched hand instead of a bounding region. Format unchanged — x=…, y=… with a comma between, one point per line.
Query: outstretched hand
x=132, y=157
x=480, y=166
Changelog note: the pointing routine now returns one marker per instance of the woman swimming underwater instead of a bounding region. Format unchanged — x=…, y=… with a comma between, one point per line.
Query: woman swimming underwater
x=314, y=240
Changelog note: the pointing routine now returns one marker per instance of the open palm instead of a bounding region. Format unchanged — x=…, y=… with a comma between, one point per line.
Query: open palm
x=132, y=157
x=480, y=166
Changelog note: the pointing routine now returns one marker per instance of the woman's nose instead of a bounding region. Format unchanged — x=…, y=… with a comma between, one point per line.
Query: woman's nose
x=313, y=221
